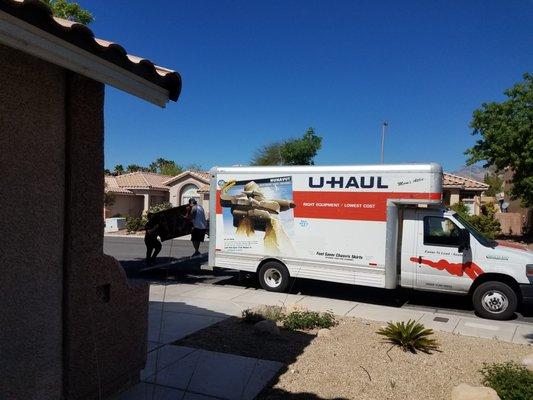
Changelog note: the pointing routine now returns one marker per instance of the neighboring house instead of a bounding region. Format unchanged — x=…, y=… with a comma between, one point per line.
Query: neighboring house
x=515, y=206
x=135, y=193
x=72, y=325
x=457, y=189
x=187, y=185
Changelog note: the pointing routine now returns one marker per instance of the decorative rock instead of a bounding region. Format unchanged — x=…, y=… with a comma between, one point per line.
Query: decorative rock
x=324, y=332
x=267, y=327
x=467, y=392
x=528, y=362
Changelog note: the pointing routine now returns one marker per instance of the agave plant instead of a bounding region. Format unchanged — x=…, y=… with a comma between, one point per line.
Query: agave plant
x=410, y=336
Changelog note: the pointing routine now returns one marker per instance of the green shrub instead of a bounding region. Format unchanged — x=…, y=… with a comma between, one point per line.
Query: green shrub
x=511, y=381
x=134, y=224
x=460, y=208
x=308, y=320
x=410, y=336
x=160, y=207
x=252, y=316
x=487, y=225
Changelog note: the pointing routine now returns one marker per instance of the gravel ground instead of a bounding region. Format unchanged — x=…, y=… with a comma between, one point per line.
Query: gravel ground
x=352, y=363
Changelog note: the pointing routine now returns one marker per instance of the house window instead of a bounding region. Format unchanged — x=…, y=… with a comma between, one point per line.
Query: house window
x=188, y=192
x=440, y=231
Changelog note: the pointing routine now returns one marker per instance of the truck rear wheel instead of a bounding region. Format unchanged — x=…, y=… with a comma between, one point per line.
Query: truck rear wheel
x=495, y=300
x=274, y=276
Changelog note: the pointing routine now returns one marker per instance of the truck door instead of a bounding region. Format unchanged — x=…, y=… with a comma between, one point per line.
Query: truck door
x=438, y=263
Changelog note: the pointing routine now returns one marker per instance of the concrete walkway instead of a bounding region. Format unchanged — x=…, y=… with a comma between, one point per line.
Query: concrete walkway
x=211, y=303
x=177, y=310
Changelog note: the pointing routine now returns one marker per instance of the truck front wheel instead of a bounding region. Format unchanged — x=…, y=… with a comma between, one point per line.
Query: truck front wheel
x=274, y=276
x=495, y=300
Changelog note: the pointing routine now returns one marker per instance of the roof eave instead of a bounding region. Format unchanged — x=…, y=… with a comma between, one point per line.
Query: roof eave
x=21, y=35
x=185, y=173
x=160, y=189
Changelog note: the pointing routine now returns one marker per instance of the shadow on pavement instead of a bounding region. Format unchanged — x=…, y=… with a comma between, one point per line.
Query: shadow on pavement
x=187, y=326
x=388, y=297
x=276, y=394
x=188, y=270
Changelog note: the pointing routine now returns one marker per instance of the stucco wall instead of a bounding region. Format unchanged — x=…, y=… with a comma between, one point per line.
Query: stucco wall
x=32, y=153
x=126, y=205
x=176, y=188
x=105, y=318
x=70, y=325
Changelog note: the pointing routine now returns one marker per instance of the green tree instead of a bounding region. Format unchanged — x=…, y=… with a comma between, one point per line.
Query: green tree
x=119, y=169
x=69, y=10
x=300, y=151
x=165, y=167
x=268, y=155
x=136, y=168
x=507, y=137
x=495, y=184
x=171, y=169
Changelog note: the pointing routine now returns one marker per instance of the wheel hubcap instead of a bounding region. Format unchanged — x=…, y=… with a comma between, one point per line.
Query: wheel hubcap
x=495, y=302
x=273, y=277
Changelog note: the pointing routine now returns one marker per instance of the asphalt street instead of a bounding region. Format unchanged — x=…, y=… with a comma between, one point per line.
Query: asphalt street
x=176, y=265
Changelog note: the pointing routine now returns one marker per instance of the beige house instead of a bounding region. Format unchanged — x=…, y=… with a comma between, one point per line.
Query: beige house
x=457, y=189
x=135, y=193
x=515, y=206
x=189, y=185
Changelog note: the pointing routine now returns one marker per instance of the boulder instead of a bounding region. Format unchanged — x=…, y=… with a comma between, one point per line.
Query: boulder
x=267, y=326
x=527, y=362
x=467, y=392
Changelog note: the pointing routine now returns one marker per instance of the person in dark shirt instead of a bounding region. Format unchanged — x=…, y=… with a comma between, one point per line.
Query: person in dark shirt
x=153, y=245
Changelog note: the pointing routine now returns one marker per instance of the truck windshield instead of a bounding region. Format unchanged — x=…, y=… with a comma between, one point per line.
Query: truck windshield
x=479, y=237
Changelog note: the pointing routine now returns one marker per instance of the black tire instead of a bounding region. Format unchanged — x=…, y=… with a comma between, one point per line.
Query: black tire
x=274, y=276
x=495, y=300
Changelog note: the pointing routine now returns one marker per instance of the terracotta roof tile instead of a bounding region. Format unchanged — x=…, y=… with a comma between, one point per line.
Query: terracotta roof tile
x=136, y=180
x=455, y=181
x=39, y=15
x=112, y=186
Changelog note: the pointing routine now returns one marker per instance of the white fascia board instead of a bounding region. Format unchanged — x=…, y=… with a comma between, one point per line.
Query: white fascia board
x=29, y=39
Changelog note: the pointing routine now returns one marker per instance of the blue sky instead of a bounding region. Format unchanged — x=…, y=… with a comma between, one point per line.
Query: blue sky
x=260, y=71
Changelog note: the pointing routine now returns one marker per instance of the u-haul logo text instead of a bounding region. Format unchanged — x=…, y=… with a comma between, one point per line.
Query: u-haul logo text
x=342, y=182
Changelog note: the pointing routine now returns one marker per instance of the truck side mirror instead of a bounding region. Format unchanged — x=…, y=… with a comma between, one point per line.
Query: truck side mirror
x=464, y=240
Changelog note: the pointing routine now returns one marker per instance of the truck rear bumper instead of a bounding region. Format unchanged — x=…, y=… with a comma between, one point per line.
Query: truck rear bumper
x=527, y=292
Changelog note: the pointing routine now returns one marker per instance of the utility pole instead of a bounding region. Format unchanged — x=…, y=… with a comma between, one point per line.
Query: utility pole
x=383, y=128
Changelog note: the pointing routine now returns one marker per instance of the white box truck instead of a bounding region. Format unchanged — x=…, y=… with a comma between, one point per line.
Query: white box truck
x=375, y=225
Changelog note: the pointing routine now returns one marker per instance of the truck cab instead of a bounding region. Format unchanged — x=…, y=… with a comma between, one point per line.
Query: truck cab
x=441, y=251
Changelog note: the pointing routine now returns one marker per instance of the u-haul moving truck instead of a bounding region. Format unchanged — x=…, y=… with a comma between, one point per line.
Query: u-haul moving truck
x=379, y=225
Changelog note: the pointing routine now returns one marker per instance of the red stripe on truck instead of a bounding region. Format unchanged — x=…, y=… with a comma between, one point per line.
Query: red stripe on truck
x=363, y=206
x=218, y=206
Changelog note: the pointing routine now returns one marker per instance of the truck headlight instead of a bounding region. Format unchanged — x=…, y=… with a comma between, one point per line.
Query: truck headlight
x=529, y=270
